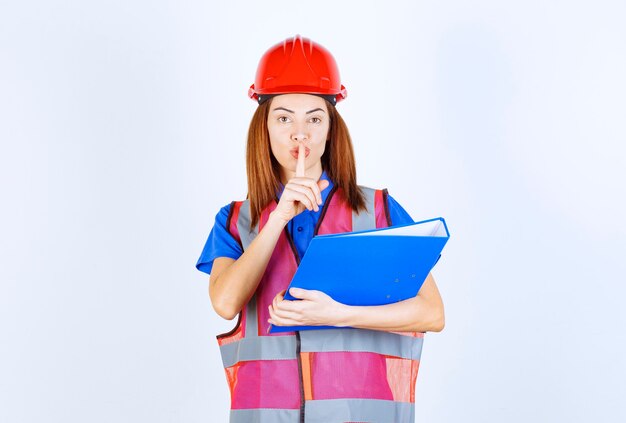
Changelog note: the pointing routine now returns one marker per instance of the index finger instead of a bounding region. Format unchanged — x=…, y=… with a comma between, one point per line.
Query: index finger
x=300, y=165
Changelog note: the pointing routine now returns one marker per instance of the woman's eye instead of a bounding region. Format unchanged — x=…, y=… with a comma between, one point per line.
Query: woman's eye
x=283, y=119
x=316, y=120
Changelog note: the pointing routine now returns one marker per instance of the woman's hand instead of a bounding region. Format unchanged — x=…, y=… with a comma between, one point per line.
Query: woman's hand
x=314, y=308
x=300, y=192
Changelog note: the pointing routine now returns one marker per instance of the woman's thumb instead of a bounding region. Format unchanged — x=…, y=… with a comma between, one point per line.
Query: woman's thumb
x=297, y=292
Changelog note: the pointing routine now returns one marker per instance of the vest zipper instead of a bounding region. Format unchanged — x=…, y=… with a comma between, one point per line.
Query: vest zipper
x=300, y=376
x=297, y=256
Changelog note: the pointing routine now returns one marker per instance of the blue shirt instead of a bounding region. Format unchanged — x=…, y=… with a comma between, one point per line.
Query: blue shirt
x=222, y=244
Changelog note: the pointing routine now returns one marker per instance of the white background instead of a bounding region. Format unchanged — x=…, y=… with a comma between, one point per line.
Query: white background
x=122, y=128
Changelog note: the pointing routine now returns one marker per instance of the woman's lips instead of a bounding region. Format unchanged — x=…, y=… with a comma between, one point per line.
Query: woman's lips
x=294, y=152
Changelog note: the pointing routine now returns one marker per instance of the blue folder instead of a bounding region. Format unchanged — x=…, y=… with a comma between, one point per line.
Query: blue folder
x=373, y=267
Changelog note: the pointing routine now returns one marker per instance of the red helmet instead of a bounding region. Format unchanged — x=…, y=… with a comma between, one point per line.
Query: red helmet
x=297, y=65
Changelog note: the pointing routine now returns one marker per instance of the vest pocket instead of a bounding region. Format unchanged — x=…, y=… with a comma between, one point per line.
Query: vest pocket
x=343, y=374
x=265, y=384
x=360, y=364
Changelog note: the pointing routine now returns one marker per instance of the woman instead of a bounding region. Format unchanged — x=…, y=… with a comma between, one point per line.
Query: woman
x=302, y=182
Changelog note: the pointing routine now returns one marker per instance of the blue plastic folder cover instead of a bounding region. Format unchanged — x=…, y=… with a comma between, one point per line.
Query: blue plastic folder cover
x=373, y=267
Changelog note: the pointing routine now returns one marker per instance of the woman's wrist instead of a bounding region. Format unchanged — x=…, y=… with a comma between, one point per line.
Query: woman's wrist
x=275, y=220
x=343, y=315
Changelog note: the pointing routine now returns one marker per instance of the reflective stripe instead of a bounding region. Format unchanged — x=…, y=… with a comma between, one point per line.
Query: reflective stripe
x=385, y=343
x=366, y=219
x=264, y=415
x=246, y=237
x=358, y=410
x=259, y=348
x=252, y=326
x=243, y=225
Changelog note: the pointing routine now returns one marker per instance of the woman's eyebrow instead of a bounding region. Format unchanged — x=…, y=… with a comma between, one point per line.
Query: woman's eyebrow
x=291, y=111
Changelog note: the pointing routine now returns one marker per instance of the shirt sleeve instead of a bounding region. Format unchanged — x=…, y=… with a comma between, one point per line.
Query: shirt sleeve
x=219, y=244
x=398, y=215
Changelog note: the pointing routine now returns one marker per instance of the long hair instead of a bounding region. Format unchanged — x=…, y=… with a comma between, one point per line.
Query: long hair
x=264, y=170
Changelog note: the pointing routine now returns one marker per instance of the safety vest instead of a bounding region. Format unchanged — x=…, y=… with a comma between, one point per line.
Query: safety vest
x=315, y=376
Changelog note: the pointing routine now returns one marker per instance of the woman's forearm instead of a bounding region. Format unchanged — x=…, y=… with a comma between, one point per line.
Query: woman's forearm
x=416, y=314
x=234, y=282
x=234, y=285
x=422, y=313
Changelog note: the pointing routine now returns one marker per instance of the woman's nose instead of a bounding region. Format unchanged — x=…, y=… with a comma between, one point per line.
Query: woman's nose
x=299, y=133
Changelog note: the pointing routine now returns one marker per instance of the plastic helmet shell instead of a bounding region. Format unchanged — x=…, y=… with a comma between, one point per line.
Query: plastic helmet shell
x=297, y=65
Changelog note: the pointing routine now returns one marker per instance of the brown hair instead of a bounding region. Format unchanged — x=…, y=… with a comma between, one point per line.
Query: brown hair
x=264, y=170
